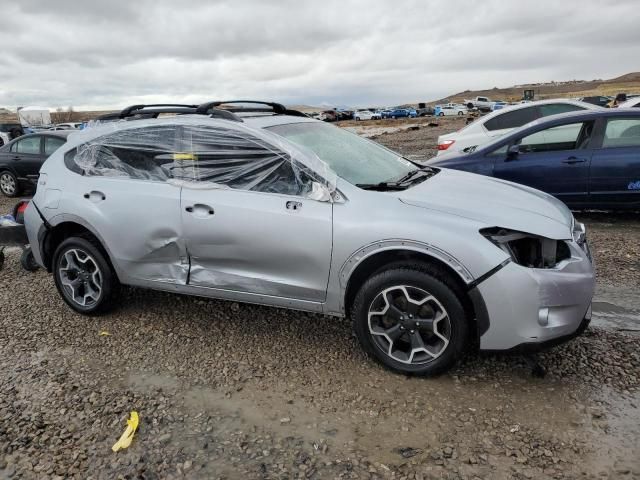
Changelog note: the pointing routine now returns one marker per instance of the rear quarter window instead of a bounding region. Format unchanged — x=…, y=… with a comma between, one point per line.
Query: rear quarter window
x=512, y=119
x=557, y=108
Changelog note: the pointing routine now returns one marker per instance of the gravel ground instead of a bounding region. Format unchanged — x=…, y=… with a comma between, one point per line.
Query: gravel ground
x=238, y=391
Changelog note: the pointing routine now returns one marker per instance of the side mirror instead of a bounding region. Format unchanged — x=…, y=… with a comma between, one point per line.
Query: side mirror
x=512, y=152
x=319, y=192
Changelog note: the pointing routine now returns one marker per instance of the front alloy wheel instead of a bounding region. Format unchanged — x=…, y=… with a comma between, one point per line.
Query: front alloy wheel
x=410, y=318
x=409, y=324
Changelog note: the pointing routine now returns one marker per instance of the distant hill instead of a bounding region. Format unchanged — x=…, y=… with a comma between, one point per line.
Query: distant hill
x=628, y=83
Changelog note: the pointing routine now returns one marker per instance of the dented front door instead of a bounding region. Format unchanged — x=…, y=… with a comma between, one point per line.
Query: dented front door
x=258, y=243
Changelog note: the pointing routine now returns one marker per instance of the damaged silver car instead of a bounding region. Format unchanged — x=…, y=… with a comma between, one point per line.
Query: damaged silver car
x=252, y=202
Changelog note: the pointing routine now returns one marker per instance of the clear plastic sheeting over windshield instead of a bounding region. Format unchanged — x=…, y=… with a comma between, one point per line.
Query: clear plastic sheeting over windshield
x=202, y=152
x=356, y=159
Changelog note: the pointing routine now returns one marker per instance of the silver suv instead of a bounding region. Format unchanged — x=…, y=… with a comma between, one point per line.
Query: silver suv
x=256, y=203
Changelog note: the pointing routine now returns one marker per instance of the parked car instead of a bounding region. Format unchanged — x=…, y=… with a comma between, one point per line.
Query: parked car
x=481, y=103
x=633, y=102
x=9, y=131
x=21, y=159
x=287, y=211
x=450, y=110
x=588, y=159
x=425, y=111
x=328, y=116
x=399, y=113
x=495, y=124
x=598, y=100
x=366, y=115
x=66, y=126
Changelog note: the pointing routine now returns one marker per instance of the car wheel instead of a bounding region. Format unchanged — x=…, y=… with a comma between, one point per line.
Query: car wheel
x=460, y=113
x=9, y=185
x=410, y=320
x=441, y=114
x=83, y=276
x=28, y=261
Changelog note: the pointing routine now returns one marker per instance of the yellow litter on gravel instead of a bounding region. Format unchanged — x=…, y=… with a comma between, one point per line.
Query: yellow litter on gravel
x=127, y=436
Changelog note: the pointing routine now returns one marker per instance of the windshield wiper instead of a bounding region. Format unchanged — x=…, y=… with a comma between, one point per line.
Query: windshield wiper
x=400, y=184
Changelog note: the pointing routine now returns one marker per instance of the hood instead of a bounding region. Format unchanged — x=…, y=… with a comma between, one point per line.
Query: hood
x=494, y=202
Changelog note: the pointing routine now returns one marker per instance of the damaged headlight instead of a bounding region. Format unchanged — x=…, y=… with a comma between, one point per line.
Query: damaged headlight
x=526, y=249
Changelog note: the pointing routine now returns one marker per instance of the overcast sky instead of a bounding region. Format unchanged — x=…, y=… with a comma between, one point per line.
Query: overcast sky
x=109, y=54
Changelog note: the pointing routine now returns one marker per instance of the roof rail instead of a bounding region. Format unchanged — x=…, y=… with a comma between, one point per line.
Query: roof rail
x=157, y=109
x=154, y=110
x=272, y=107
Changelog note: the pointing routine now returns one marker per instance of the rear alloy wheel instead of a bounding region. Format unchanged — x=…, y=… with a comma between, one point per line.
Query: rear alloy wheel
x=410, y=321
x=441, y=114
x=83, y=276
x=460, y=113
x=9, y=184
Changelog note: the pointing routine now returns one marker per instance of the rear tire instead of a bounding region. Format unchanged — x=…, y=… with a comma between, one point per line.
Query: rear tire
x=9, y=185
x=83, y=276
x=441, y=114
x=460, y=113
x=423, y=329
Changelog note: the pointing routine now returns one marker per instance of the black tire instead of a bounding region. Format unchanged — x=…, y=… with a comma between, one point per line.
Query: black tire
x=431, y=281
x=28, y=261
x=109, y=281
x=7, y=176
x=441, y=114
x=460, y=113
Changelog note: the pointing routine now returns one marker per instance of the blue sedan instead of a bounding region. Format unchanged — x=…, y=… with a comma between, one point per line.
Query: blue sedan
x=588, y=159
x=399, y=113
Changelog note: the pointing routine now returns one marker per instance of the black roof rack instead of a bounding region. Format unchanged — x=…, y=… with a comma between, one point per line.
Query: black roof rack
x=158, y=108
x=271, y=107
x=141, y=111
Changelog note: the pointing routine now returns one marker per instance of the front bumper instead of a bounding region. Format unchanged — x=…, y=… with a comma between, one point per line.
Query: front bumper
x=527, y=306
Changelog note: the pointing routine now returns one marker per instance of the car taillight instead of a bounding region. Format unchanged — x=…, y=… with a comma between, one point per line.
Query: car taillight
x=445, y=144
x=22, y=206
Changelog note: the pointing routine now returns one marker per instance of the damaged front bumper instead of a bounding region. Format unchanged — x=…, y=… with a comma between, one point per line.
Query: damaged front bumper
x=529, y=307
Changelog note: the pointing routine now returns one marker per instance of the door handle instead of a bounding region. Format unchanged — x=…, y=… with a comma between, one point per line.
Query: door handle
x=573, y=160
x=95, y=196
x=200, y=210
x=291, y=205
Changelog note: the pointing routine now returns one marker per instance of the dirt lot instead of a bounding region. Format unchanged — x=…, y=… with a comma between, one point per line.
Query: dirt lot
x=237, y=391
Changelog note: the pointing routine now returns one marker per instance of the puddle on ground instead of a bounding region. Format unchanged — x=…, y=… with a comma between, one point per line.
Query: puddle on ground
x=615, y=317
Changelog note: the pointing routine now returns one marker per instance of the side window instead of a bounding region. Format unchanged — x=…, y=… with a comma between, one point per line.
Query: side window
x=138, y=153
x=30, y=145
x=51, y=144
x=512, y=119
x=556, y=108
x=622, y=133
x=563, y=137
x=241, y=161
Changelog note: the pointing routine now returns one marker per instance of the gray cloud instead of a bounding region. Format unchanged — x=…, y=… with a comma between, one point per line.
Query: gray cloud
x=109, y=54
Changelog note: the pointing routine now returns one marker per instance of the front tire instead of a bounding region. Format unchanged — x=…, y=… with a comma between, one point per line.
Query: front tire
x=441, y=114
x=83, y=276
x=411, y=320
